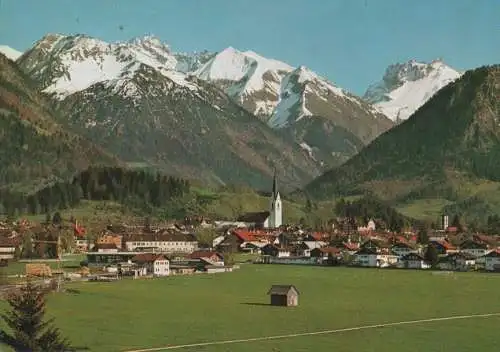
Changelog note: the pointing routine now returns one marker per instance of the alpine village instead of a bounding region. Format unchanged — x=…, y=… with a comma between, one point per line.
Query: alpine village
x=144, y=185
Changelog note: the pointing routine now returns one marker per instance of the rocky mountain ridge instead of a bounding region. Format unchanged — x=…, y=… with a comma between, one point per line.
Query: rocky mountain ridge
x=405, y=87
x=131, y=99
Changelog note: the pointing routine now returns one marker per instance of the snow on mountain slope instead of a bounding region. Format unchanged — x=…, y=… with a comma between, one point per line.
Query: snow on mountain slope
x=266, y=87
x=233, y=65
x=308, y=108
x=244, y=74
x=405, y=87
x=12, y=54
x=78, y=62
x=302, y=104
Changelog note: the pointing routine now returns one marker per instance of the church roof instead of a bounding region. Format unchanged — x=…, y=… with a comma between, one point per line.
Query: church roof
x=255, y=217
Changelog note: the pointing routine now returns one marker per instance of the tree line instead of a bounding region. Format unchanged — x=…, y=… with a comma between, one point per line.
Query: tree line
x=366, y=208
x=132, y=187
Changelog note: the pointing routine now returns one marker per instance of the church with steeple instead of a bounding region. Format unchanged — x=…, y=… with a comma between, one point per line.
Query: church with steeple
x=275, y=219
x=270, y=219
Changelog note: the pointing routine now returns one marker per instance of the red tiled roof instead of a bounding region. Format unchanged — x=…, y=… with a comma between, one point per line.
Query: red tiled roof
x=318, y=236
x=251, y=236
x=106, y=246
x=351, y=246
x=147, y=257
x=333, y=250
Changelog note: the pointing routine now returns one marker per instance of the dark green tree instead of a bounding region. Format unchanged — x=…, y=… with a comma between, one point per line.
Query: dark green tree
x=308, y=208
x=422, y=236
x=456, y=222
x=48, y=218
x=205, y=237
x=432, y=255
x=30, y=332
x=57, y=218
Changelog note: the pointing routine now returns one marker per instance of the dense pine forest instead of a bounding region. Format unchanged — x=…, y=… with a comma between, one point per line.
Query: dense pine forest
x=136, y=188
x=367, y=208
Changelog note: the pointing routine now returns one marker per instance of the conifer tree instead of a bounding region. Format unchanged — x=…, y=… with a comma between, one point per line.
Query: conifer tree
x=30, y=331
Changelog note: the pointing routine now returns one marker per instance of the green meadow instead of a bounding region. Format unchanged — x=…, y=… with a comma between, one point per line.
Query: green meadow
x=135, y=314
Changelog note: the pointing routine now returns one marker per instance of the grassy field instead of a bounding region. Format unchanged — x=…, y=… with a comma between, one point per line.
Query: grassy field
x=424, y=209
x=181, y=310
x=95, y=214
x=69, y=263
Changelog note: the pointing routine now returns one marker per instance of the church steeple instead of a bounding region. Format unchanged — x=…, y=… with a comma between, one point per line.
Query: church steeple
x=275, y=211
x=275, y=184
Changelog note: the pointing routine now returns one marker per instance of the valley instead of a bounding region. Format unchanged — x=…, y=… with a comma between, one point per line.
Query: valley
x=255, y=176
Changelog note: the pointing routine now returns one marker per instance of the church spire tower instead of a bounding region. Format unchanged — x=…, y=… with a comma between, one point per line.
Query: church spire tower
x=275, y=211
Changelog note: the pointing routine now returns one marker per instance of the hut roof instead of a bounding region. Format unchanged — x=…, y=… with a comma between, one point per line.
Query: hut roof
x=281, y=289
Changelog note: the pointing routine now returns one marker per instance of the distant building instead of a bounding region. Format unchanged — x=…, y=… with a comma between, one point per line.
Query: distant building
x=445, y=222
x=105, y=248
x=169, y=242
x=275, y=211
x=152, y=264
x=284, y=295
x=271, y=219
x=492, y=261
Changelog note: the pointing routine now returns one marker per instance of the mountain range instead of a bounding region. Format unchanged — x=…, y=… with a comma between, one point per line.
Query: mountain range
x=223, y=117
x=130, y=99
x=447, y=151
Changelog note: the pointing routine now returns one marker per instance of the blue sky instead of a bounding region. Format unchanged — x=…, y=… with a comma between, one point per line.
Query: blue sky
x=349, y=41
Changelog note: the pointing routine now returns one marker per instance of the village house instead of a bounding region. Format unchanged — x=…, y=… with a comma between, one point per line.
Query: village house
x=210, y=257
x=373, y=257
x=82, y=244
x=151, y=264
x=492, y=261
x=413, y=260
x=243, y=240
x=326, y=253
x=403, y=248
x=349, y=247
x=7, y=248
x=287, y=238
x=370, y=226
x=105, y=248
x=304, y=248
x=457, y=261
x=275, y=251
x=115, y=239
x=474, y=248
x=168, y=242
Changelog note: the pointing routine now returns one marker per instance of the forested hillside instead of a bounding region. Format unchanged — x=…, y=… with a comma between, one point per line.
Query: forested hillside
x=34, y=149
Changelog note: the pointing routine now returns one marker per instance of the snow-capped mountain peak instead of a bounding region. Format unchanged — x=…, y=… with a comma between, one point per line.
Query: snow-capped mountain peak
x=407, y=86
x=70, y=64
x=233, y=65
x=11, y=53
x=148, y=40
x=243, y=75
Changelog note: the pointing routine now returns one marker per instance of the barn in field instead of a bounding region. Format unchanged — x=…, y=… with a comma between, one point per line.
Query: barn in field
x=284, y=295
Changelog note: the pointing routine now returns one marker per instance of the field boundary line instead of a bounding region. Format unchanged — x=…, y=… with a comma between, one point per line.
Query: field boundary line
x=312, y=333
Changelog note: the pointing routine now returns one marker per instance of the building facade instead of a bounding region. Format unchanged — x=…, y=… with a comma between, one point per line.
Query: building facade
x=275, y=211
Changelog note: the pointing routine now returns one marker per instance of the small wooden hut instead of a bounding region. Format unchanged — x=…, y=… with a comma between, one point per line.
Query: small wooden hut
x=284, y=295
